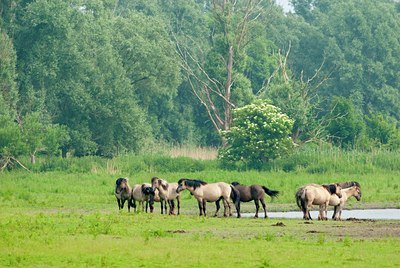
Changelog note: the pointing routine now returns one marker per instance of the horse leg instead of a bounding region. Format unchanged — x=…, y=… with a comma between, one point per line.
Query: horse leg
x=257, y=207
x=218, y=206
x=134, y=205
x=119, y=204
x=263, y=205
x=320, y=214
x=178, y=200
x=227, y=208
x=334, y=212
x=200, y=202
x=172, y=207
x=204, y=207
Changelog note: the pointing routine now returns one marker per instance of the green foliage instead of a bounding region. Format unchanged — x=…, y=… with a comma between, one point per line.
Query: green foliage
x=346, y=125
x=383, y=131
x=260, y=133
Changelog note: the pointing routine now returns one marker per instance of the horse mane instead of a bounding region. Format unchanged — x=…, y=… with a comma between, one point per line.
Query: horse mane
x=192, y=183
x=147, y=189
x=235, y=183
x=330, y=187
x=349, y=184
x=120, y=180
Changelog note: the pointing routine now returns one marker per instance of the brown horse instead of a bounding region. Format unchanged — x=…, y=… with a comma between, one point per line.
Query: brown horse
x=167, y=192
x=315, y=194
x=123, y=193
x=254, y=192
x=142, y=193
x=211, y=192
x=349, y=191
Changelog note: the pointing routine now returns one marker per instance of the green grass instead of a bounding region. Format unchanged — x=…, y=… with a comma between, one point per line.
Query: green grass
x=112, y=239
x=71, y=219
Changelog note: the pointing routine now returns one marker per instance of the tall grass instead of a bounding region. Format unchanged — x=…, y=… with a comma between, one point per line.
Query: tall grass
x=310, y=159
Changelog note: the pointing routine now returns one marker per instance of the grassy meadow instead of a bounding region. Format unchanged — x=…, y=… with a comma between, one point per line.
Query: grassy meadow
x=64, y=214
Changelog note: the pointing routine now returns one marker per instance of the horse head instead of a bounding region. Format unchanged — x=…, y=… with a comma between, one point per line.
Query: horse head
x=156, y=183
x=181, y=185
x=358, y=193
x=147, y=190
x=121, y=184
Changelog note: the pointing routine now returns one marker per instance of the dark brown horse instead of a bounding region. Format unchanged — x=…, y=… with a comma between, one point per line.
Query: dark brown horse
x=254, y=192
x=123, y=192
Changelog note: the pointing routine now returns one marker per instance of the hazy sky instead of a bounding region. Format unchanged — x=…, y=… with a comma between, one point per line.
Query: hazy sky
x=285, y=4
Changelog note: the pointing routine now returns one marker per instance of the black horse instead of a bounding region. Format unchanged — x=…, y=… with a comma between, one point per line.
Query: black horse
x=254, y=192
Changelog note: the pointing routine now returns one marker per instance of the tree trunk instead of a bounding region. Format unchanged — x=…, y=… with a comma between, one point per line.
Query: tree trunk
x=33, y=158
x=227, y=104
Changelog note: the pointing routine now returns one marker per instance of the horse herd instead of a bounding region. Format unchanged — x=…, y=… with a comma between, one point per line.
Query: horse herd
x=159, y=190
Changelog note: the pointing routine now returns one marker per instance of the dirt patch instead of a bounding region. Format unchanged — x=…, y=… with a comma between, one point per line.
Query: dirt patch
x=360, y=220
x=359, y=229
x=280, y=224
x=177, y=231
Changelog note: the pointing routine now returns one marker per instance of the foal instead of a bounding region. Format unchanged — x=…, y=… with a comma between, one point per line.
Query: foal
x=123, y=193
x=254, y=192
x=167, y=192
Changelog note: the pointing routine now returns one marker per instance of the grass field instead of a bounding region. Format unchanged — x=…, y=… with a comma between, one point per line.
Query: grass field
x=71, y=219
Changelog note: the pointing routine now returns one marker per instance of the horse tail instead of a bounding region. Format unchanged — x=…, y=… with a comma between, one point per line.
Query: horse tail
x=271, y=193
x=235, y=196
x=298, y=197
x=301, y=199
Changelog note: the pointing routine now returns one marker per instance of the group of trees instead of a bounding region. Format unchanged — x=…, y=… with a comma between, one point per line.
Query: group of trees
x=102, y=77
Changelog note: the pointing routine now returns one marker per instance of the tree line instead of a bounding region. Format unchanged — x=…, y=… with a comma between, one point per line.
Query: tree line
x=105, y=77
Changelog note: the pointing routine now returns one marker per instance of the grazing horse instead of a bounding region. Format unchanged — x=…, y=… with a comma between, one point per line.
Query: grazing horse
x=254, y=192
x=167, y=192
x=142, y=193
x=339, y=203
x=211, y=192
x=315, y=194
x=123, y=193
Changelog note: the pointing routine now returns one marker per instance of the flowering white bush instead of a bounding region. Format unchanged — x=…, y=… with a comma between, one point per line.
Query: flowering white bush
x=259, y=133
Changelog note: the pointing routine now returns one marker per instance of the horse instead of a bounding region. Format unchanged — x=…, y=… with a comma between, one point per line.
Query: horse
x=167, y=192
x=315, y=194
x=352, y=189
x=254, y=192
x=142, y=193
x=123, y=193
x=211, y=192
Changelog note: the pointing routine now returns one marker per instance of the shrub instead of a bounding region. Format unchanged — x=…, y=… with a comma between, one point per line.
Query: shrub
x=259, y=133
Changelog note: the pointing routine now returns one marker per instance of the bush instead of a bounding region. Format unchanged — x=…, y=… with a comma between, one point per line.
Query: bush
x=259, y=133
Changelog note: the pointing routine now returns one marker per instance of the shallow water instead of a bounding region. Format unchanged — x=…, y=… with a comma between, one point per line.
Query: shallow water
x=372, y=214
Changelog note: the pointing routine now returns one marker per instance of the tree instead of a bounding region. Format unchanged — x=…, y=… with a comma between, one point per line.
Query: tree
x=360, y=43
x=259, y=133
x=216, y=74
x=347, y=125
x=69, y=69
x=150, y=62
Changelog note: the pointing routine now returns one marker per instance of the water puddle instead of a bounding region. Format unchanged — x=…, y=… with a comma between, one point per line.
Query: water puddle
x=371, y=214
